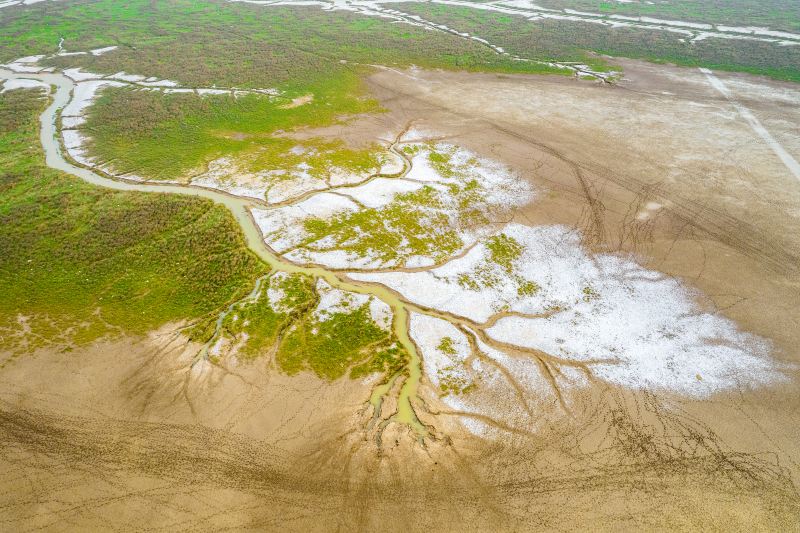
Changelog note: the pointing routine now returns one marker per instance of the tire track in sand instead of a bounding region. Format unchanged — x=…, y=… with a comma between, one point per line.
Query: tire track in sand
x=785, y=157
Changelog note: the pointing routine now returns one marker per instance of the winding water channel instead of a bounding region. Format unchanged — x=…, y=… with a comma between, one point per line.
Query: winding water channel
x=240, y=208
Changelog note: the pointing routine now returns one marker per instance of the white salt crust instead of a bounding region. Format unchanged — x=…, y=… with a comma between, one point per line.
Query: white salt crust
x=500, y=190
x=23, y=83
x=638, y=328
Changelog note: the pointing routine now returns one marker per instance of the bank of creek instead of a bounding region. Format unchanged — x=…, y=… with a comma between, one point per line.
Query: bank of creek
x=240, y=208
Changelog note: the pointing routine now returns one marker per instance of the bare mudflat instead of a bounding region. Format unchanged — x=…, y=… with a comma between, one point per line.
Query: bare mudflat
x=675, y=188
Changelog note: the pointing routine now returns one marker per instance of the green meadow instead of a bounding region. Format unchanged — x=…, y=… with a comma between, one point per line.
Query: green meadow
x=79, y=262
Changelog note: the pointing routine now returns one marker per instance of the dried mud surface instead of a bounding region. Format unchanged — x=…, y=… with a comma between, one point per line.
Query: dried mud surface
x=127, y=435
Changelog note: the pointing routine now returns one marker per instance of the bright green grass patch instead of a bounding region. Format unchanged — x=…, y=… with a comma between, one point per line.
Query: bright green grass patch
x=320, y=157
x=169, y=136
x=79, y=262
x=258, y=325
x=504, y=251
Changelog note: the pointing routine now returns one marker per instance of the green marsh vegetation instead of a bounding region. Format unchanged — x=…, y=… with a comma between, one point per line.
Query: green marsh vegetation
x=446, y=346
x=345, y=340
x=169, y=136
x=412, y=224
x=451, y=378
x=452, y=382
x=589, y=294
x=282, y=320
x=503, y=30
x=320, y=157
x=427, y=222
x=79, y=262
x=205, y=43
x=500, y=266
x=300, y=51
x=575, y=41
x=257, y=322
x=775, y=14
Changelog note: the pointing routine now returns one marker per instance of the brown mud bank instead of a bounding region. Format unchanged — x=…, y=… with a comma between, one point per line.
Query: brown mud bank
x=124, y=434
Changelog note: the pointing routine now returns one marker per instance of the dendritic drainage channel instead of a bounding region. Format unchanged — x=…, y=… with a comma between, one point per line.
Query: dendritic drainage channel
x=505, y=323
x=240, y=208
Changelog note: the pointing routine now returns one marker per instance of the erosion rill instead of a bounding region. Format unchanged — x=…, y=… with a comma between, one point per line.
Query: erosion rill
x=239, y=207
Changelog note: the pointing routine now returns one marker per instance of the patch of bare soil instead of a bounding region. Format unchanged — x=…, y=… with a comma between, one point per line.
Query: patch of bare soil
x=126, y=434
x=297, y=102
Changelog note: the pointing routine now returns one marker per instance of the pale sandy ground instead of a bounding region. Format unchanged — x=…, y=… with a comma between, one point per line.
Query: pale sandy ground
x=123, y=436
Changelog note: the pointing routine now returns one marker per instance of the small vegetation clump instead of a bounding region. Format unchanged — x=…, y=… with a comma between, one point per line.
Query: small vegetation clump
x=415, y=223
x=589, y=294
x=412, y=149
x=446, y=346
x=281, y=319
x=441, y=161
x=452, y=382
x=504, y=251
x=527, y=287
x=500, y=266
x=79, y=262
